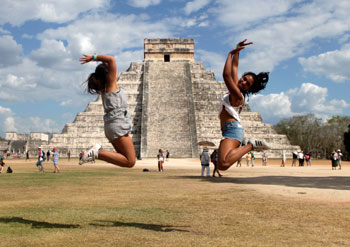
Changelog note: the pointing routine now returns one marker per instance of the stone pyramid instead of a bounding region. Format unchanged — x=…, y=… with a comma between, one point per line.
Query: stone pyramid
x=174, y=103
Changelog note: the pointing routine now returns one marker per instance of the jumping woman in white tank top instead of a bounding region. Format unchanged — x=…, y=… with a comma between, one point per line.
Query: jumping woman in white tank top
x=230, y=149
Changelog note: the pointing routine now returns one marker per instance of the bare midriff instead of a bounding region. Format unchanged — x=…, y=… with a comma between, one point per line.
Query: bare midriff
x=225, y=117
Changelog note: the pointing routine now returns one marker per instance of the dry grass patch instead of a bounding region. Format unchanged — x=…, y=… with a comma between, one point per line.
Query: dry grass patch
x=108, y=206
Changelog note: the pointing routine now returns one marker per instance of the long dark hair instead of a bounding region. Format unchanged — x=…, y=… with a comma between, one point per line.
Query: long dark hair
x=259, y=84
x=96, y=82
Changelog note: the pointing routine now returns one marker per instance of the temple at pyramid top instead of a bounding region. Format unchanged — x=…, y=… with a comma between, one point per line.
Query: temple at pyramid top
x=168, y=50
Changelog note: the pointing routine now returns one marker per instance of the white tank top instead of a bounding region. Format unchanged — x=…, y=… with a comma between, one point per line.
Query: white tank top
x=232, y=110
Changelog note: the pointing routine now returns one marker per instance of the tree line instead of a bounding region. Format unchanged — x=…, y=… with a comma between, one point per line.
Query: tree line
x=316, y=136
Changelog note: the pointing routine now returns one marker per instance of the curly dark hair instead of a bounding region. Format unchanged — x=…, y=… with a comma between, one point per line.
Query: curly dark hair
x=96, y=82
x=260, y=82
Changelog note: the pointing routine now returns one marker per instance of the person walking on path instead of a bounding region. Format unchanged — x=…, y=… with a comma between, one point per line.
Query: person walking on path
x=48, y=155
x=264, y=159
x=27, y=155
x=117, y=123
x=55, y=157
x=253, y=159
x=248, y=158
x=239, y=162
x=334, y=159
x=340, y=157
x=301, y=158
x=41, y=159
x=295, y=158
x=283, y=162
x=231, y=148
x=160, y=157
x=2, y=163
x=205, y=160
x=308, y=159
x=167, y=155
x=214, y=160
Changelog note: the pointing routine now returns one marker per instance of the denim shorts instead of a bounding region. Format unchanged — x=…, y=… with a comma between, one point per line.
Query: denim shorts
x=233, y=130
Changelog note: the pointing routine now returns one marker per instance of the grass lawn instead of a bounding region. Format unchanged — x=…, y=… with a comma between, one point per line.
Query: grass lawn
x=99, y=205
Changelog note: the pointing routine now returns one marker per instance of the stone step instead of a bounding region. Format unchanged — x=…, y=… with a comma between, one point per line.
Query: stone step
x=167, y=124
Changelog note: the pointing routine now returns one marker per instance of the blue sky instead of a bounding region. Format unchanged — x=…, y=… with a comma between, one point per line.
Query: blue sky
x=304, y=44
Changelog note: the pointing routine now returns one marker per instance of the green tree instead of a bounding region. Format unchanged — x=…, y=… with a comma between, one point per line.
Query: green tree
x=302, y=130
x=313, y=135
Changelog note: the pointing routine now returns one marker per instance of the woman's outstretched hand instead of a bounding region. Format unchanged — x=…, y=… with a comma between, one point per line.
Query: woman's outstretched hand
x=243, y=43
x=240, y=46
x=85, y=59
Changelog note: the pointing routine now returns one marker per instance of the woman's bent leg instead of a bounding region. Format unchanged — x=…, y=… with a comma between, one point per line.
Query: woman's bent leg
x=230, y=151
x=126, y=152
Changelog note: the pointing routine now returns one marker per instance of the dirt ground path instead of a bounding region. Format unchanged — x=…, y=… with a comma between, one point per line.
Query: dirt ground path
x=316, y=182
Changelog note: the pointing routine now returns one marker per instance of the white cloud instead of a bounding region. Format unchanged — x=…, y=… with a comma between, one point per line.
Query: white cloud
x=10, y=51
x=195, y=5
x=333, y=64
x=53, y=71
x=4, y=110
x=30, y=124
x=18, y=12
x=124, y=59
x=309, y=98
x=212, y=61
x=3, y=31
x=66, y=102
x=143, y=3
x=93, y=33
x=9, y=124
x=53, y=54
x=40, y=125
x=18, y=83
x=243, y=14
x=278, y=38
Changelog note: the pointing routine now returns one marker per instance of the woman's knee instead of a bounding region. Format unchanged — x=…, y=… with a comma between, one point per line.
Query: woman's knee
x=222, y=166
x=131, y=162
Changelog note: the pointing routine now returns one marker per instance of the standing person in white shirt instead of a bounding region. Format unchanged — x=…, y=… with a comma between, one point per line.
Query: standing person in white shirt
x=340, y=157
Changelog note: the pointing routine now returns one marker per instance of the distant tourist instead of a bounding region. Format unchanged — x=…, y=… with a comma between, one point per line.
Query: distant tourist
x=214, y=160
x=230, y=149
x=295, y=158
x=117, y=123
x=27, y=155
x=55, y=157
x=283, y=159
x=253, y=159
x=239, y=162
x=68, y=155
x=81, y=154
x=2, y=163
x=167, y=155
x=160, y=158
x=308, y=159
x=264, y=159
x=340, y=157
x=205, y=160
x=301, y=158
x=334, y=159
x=41, y=159
x=48, y=155
x=248, y=158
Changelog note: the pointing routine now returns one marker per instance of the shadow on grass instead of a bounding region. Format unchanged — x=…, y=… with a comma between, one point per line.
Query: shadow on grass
x=153, y=227
x=36, y=224
x=334, y=183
